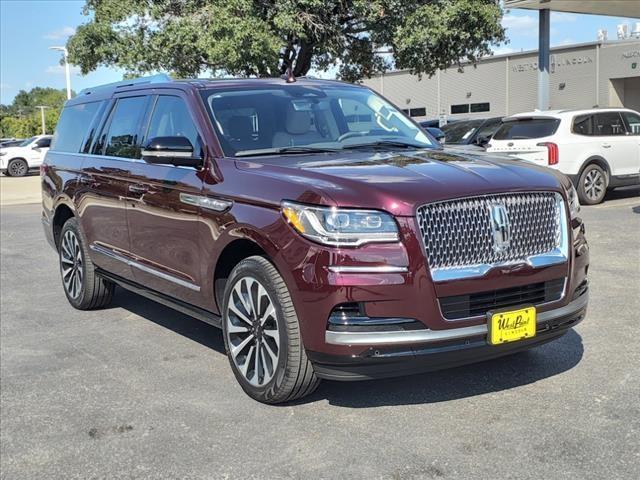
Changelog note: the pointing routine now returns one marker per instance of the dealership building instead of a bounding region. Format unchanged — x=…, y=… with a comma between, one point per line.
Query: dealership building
x=604, y=74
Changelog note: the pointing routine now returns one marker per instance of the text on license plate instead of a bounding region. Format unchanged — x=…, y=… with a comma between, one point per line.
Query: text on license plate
x=511, y=326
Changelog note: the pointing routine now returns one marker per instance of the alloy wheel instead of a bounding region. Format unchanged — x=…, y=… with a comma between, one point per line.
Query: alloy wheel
x=594, y=184
x=71, y=264
x=17, y=169
x=252, y=331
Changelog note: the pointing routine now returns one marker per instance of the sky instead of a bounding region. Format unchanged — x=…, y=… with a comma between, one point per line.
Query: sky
x=28, y=28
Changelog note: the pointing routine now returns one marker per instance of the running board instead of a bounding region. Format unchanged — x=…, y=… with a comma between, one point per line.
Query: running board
x=182, y=307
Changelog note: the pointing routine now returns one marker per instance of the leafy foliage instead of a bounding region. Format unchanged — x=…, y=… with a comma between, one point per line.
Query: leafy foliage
x=22, y=119
x=266, y=37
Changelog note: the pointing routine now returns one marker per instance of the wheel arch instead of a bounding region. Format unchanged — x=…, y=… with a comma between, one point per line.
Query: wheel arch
x=598, y=160
x=63, y=212
x=241, y=243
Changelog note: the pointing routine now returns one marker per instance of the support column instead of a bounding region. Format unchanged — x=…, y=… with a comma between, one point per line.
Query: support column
x=544, y=41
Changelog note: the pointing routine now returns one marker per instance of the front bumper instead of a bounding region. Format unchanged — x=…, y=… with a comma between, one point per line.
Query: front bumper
x=390, y=356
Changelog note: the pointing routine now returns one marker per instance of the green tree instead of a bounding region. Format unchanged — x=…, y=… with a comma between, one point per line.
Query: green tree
x=266, y=37
x=22, y=119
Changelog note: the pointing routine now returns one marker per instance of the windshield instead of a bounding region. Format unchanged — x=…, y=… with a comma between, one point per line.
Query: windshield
x=301, y=118
x=27, y=142
x=460, y=132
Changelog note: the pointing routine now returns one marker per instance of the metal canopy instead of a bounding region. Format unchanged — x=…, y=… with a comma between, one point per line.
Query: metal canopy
x=620, y=8
x=616, y=8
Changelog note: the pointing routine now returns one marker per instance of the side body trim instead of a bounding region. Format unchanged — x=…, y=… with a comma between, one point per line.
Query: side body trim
x=132, y=263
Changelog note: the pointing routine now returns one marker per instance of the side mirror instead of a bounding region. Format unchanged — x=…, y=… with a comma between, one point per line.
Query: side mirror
x=36, y=148
x=482, y=141
x=176, y=151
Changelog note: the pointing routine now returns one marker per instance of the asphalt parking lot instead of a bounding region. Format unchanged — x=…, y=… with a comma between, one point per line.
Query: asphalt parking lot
x=140, y=391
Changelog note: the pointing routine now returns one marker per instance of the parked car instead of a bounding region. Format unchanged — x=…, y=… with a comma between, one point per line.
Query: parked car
x=474, y=133
x=17, y=161
x=599, y=149
x=323, y=248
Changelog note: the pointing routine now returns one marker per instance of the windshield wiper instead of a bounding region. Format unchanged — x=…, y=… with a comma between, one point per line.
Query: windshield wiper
x=285, y=150
x=383, y=144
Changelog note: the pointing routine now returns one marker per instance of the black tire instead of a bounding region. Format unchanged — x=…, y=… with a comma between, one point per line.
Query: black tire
x=592, y=185
x=293, y=376
x=87, y=291
x=17, y=167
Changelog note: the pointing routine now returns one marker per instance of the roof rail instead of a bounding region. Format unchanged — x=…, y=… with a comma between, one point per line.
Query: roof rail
x=158, y=78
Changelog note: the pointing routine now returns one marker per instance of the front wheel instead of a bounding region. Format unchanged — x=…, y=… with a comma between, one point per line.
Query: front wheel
x=84, y=289
x=262, y=335
x=592, y=185
x=17, y=168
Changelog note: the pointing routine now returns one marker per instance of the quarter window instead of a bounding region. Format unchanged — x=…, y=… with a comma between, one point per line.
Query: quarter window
x=608, y=124
x=123, y=138
x=72, y=127
x=583, y=125
x=633, y=122
x=171, y=119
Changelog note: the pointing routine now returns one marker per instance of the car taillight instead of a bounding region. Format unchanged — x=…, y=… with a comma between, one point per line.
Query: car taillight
x=552, y=150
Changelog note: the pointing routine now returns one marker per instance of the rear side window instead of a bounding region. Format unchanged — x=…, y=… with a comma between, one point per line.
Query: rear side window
x=608, y=124
x=527, y=128
x=171, y=119
x=633, y=122
x=583, y=125
x=73, y=126
x=123, y=137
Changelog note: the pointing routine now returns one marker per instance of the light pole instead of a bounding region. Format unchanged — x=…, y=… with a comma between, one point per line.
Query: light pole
x=44, y=125
x=65, y=53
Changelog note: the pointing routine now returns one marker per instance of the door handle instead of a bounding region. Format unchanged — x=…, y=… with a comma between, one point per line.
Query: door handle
x=88, y=181
x=606, y=145
x=138, y=188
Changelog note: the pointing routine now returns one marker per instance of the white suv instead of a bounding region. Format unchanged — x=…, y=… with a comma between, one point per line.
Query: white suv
x=597, y=148
x=17, y=161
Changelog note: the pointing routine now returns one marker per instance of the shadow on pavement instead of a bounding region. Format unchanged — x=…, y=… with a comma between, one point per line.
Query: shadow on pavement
x=623, y=192
x=496, y=375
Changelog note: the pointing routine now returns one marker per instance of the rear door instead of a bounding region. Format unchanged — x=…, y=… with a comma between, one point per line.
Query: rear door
x=106, y=179
x=162, y=218
x=524, y=137
x=618, y=148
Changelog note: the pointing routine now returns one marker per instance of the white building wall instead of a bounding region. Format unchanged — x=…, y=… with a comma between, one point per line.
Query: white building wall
x=509, y=82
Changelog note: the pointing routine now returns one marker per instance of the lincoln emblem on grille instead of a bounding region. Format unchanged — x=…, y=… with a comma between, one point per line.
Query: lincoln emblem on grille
x=500, y=226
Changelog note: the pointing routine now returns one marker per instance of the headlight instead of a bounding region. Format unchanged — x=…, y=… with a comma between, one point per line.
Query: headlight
x=574, y=203
x=340, y=227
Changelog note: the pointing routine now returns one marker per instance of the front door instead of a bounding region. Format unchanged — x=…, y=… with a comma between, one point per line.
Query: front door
x=38, y=151
x=163, y=227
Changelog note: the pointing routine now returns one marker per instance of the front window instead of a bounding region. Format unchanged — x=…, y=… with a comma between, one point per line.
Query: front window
x=300, y=118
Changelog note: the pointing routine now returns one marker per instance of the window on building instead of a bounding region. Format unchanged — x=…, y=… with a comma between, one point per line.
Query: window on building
x=480, y=107
x=73, y=125
x=406, y=110
x=123, y=138
x=418, y=112
x=171, y=119
x=633, y=122
x=608, y=124
x=462, y=108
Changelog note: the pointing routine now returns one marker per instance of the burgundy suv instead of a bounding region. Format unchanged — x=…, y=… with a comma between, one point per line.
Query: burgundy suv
x=325, y=232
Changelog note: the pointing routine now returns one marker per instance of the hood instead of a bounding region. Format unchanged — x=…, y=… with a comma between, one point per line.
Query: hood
x=399, y=182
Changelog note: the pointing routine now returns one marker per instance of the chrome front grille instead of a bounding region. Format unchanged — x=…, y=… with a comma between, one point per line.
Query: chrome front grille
x=463, y=238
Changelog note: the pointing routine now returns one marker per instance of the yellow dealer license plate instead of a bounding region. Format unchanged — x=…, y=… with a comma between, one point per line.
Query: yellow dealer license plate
x=512, y=326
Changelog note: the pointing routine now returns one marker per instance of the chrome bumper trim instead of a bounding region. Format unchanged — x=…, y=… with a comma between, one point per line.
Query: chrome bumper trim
x=429, y=336
x=367, y=269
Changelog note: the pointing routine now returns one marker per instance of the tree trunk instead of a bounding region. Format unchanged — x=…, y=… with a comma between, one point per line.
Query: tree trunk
x=303, y=60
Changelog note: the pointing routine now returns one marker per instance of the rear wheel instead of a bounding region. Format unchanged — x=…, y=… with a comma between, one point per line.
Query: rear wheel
x=17, y=168
x=592, y=185
x=262, y=335
x=84, y=289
